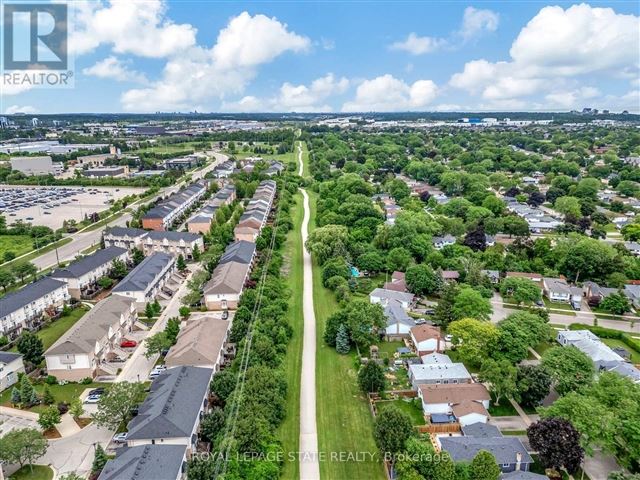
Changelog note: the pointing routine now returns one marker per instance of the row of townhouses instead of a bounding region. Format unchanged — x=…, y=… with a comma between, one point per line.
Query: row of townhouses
x=201, y=221
x=150, y=242
x=165, y=213
x=256, y=213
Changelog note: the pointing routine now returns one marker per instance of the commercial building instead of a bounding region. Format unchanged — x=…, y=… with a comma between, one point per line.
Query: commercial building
x=25, y=309
x=145, y=281
x=166, y=212
x=200, y=343
x=84, y=349
x=150, y=242
x=101, y=172
x=30, y=166
x=185, y=163
x=82, y=275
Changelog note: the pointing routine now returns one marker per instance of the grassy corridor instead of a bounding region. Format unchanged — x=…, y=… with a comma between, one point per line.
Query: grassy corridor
x=290, y=429
x=345, y=425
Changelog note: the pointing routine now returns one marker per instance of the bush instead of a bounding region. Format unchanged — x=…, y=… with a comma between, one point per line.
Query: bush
x=63, y=408
x=184, y=311
x=86, y=381
x=51, y=380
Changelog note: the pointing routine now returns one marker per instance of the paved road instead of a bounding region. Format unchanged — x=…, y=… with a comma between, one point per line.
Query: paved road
x=309, y=466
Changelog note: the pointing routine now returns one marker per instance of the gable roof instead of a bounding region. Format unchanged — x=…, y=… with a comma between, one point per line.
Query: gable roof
x=240, y=251
x=438, y=371
x=454, y=393
x=424, y=332
x=396, y=314
x=481, y=430
x=29, y=293
x=173, y=405
x=8, y=357
x=391, y=295
x=504, y=449
x=94, y=325
x=227, y=278
x=89, y=263
x=141, y=277
x=469, y=406
x=145, y=462
x=199, y=342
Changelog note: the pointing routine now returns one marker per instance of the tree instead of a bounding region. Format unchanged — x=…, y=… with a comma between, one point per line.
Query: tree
x=149, y=311
x=520, y=289
x=342, y=340
x=470, y=303
x=26, y=391
x=76, y=410
x=534, y=384
x=15, y=396
x=502, y=378
x=535, y=199
x=105, y=282
x=137, y=256
x=172, y=329
x=631, y=232
x=443, y=314
x=476, y=239
x=519, y=332
x=23, y=270
x=181, y=265
x=118, y=269
x=6, y=279
x=327, y=242
x=568, y=206
x=421, y=279
x=514, y=225
x=570, y=369
x=212, y=424
x=398, y=259
x=100, y=459
x=362, y=321
x=47, y=397
x=195, y=253
x=475, y=340
x=49, y=418
x=557, y=443
x=371, y=377
x=392, y=428
x=24, y=445
x=71, y=476
x=617, y=303
x=30, y=346
x=114, y=406
x=372, y=261
x=484, y=467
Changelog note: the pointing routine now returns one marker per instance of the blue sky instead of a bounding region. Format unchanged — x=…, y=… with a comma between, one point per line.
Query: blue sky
x=147, y=56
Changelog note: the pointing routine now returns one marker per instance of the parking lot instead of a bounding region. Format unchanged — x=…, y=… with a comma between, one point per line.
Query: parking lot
x=51, y=206
x=10, y=422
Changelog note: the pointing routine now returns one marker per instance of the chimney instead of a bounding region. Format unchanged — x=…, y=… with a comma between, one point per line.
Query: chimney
x=518, y=460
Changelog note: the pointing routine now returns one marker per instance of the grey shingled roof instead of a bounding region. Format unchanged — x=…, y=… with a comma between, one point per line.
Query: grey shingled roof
x=172, y=236
x=145, y=273
x=89, y=263
x=481, y=430
x=521, y=475
x=94, y=325
x=125, y=232
x=504, y=449
x=145, y=462
x=241, y=251
x=172, y=407
x=8, y=357
x=30, y=293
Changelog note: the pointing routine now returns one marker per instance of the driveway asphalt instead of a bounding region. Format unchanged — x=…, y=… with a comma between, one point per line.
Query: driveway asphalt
x=309, y=466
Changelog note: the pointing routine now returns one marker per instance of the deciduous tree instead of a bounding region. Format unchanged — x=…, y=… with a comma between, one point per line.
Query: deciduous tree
x=557, y=443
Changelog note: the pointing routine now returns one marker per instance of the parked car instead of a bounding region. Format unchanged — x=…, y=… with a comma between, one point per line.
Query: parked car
x=120, y=437
x=448, y=338
x=540, y=303
x=92, y=398
x=225, y=314
x=128, y=343
x=96, y=391
x=421, y=321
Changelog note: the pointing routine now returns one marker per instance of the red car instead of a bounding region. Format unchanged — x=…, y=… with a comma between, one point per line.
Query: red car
x=128, y=343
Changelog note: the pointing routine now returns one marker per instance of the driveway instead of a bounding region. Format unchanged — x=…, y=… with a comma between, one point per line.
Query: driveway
x=15, y=420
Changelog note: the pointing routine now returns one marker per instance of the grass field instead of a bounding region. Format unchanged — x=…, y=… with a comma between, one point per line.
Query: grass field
x=305, y=159
x=289, y=433
x=61, y=393
x=36, y=253
x=168, y=148
x=54, y=330
x=345, y=424
x=18, y=244
x=40, y=472
x=408, y=407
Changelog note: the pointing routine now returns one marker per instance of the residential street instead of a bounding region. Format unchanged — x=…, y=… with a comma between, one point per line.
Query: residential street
x=309, y=466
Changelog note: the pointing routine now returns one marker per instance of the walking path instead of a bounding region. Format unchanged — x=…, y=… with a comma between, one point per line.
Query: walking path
x=300, y=164
x=309, y=466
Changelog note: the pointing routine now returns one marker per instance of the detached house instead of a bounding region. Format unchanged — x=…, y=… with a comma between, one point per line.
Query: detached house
x=438, y=373
x=440, y=242
x=427, y=339
x=399, y=324
x=468, y=402
x=558, y=290
x=384, y=296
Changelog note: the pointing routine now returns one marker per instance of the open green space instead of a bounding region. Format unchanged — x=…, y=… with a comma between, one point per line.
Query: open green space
x=18, y=244
x=305, y=159
x=289, y=433
x=167, y=148
x=408, y=406
x=54, y=330
x=345, y=423
x=36, y=253
x=39, y=472
x=61, y=393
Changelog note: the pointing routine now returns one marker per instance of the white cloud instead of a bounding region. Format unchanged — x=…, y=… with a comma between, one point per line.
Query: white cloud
x=568, y=99
x=416, y=45
x=476, y=22
x=13, y=109
x=387, y=93
x=135, y=27
x=302, y=98
x=247, y=104
x=113, y=67
x=552, y=52
x=199, y=74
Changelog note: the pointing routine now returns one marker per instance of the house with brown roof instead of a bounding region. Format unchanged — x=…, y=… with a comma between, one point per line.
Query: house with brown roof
x=468, y=402
x=397, y=283
x=534, y=277
x=427, y=339
x=200, y=343
x=227, y=282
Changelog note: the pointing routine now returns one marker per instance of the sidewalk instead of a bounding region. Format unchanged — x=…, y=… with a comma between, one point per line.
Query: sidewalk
x=67, y=426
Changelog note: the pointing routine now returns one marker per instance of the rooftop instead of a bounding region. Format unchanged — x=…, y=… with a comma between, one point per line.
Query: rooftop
x=141, y=277
x=30, y=293
x=89, y=263
x=145, y=462
x=199, y=342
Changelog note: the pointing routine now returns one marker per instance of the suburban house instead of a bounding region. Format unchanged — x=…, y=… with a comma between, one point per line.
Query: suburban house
x=633, y=293
x=172, y=411
x=228, y=279
x=633, y=247
x=166, y=212
x=274, y=168
x=84, y=349
x=399, y=324
x=146, y=280
x=492, y=275
x=438, y=373
x=11, y=365
x=558, y=290
x=440, y=242
x=200, y=343
x=427, y=339
x=602, y=356
x=82, y=275
x=147, y=462
x=449, y=275
x=397, y=283
x=224, y=170
x=384, y=296
x=24, y=309
x=176, y=243
x=436, y=358
x=594, y=293
x=509, y=452
x=468, y=402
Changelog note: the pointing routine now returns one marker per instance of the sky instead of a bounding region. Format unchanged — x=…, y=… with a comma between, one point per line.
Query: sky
x=339, y=56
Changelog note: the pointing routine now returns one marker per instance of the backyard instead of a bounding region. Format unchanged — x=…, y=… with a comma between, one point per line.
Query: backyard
x=61, y=393
x=614, y=342
x=39, y=472
x=54, y=330
x=18, y=244
x=408, y=406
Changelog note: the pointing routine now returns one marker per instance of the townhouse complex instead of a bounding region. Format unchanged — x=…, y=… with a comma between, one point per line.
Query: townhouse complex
x=201, y=221
x=145, y=282
x=166, y=212
x=256, y=213
x=150, y=242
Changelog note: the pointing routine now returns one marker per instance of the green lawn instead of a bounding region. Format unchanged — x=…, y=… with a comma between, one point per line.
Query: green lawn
x=614, y=342
x=36, y=253
x=387, y=349
x=40, y=472
x=55, y=329
x=505, y=409
x=61, y=393
x=289, y=433
x=18, y=244
x=558, y=305
x=305, y=159
x=408, y=406
x=345, y=423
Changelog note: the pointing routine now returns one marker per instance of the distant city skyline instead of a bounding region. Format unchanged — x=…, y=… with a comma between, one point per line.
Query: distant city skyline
x=168, y=56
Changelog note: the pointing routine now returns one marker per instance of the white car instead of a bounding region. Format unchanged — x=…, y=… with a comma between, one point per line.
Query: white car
x=92, y=399
x=120, y=437
x=157, y=370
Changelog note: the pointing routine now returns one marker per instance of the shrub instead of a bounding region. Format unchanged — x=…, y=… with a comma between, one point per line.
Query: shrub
x=86, y=381
x=51, y=380
x=63, y=408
